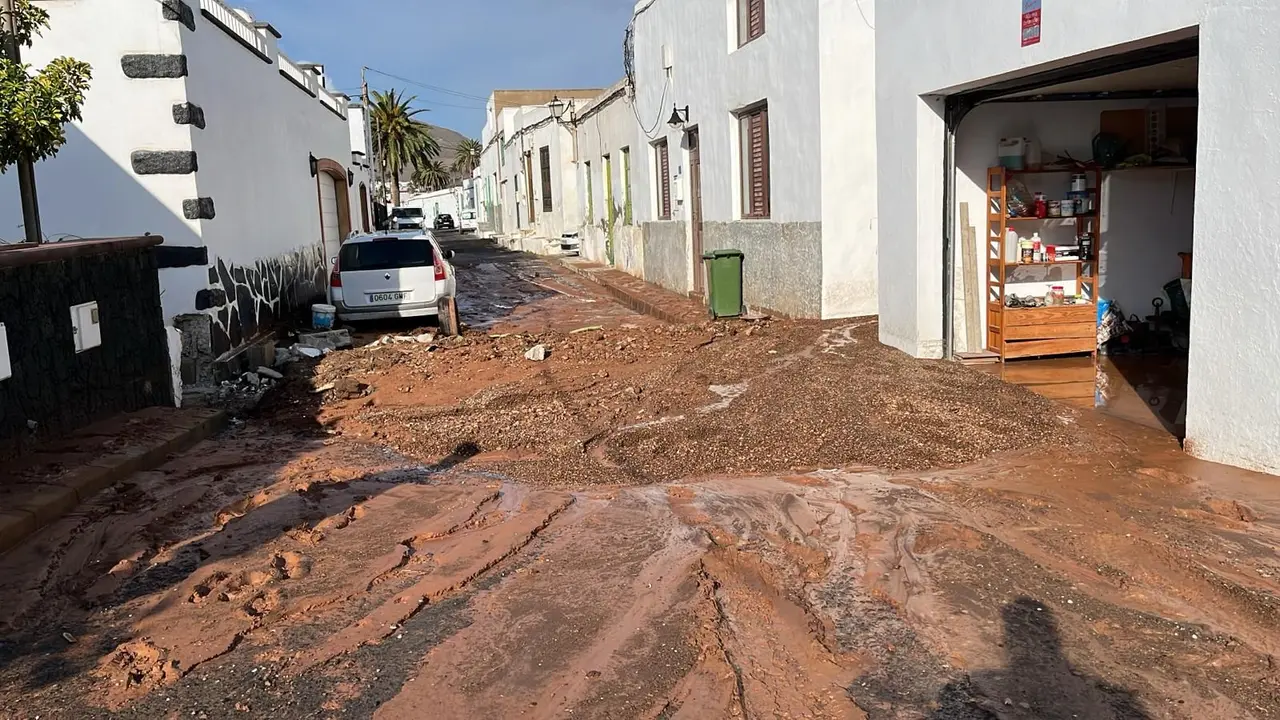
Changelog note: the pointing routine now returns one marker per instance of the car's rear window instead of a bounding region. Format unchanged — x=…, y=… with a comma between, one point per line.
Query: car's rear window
x=386, y=255
x=407, y=212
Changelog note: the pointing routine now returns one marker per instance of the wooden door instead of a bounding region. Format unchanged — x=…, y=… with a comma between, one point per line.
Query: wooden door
x=695, y=208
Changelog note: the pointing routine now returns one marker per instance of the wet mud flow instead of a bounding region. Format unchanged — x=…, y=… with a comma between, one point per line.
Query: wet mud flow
x=767, y=519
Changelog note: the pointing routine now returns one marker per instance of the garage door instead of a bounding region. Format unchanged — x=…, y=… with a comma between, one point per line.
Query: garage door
x=329, y=215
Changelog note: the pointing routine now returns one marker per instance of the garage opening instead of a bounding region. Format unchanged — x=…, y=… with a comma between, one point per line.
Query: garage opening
x=1074, y=209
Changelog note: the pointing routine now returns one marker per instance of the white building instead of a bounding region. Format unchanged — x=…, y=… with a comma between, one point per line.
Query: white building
x=775, y=155
x=1207, y=66
x=528, y=184
x=197, y=128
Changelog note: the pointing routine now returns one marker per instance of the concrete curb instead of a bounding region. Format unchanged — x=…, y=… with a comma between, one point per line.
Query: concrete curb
x=633, y=300
x=63, y=495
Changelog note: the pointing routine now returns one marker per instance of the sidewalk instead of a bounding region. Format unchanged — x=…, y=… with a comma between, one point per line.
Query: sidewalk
x=41, y=486
x=641, y=296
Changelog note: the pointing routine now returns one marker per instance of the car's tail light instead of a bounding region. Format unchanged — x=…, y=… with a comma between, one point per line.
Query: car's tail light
x=440, y=273
x=335, y=277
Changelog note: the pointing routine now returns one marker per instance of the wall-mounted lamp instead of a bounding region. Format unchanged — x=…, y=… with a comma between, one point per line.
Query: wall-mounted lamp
x=678, y=116
x=558, y=108
x=315, y=164
x=351, y=178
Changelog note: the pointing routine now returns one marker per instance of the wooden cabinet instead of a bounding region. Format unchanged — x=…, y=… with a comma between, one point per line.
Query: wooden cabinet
x=1019, y=332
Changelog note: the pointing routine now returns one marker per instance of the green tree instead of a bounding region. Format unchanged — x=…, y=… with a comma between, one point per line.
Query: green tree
x=35, y=106
x=432, y=175
x=466, y=157
x=402, y=140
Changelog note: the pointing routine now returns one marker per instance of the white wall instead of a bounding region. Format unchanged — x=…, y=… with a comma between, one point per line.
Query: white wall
x=608, y=127
x=89, y=189
x=926, y=47
x=715, y=78
x=1233, y=412
x=848, y=95
x=254, y=152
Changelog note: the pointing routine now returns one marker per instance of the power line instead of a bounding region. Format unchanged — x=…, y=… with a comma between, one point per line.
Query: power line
x=433, y=88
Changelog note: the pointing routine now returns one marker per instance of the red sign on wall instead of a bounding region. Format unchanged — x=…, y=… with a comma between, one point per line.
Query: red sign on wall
x=1030, y=22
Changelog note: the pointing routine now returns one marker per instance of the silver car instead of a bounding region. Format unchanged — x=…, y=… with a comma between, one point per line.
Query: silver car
x=383, y=276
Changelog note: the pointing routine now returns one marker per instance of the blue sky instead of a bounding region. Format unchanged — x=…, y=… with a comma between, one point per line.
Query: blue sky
x=472, y=46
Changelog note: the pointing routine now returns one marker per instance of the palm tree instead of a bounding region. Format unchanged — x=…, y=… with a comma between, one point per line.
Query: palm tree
x=432, y=175
x=467, y=156
x=402, y=140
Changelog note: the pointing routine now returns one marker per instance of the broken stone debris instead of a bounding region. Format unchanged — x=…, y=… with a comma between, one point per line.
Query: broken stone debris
x=269, y=373
x=328, y=340
x=537, y=353
x=422, y=339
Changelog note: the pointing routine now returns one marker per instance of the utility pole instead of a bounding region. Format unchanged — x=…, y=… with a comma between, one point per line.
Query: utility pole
x=26, y=168
x=380, y=181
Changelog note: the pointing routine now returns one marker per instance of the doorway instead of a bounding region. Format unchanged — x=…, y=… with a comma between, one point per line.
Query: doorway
x=695, y=208
x=1119, y=136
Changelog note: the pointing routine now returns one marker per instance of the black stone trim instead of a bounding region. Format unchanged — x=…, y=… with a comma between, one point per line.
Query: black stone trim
x=154, y=66
x=236, y=36
x=198, y=209
x=210, y=298
x=188, y=114
x=180, y=256
x=296, y=84
x=164, y=162
x=179, y=11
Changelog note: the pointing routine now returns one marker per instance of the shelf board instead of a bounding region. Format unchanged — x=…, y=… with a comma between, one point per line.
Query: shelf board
x=1090, y=171
x=1072, y=218
x=1043, y=263
x=1052, y=307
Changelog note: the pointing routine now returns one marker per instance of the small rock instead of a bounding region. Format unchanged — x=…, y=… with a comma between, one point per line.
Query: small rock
x=349, y=388
x=424, y=338
x=269, y=373
x=251, y=378
x=329, y=340
x=537, y=353
x=307, y=351
x=68, y=637
x=1024, y=705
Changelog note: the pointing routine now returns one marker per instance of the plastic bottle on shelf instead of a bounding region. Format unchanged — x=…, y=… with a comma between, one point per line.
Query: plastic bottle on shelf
x=1037, y=248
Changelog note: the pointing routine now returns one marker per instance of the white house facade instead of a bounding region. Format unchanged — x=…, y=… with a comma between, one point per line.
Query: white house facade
x=944, y=99
x=197, y=128
x=774, y=154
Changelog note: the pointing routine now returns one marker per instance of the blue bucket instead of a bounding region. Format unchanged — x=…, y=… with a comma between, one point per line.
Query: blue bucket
x=322, y=316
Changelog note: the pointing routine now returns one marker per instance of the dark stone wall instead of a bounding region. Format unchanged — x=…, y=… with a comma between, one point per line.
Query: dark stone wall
x=248, y=301
x=54, y=386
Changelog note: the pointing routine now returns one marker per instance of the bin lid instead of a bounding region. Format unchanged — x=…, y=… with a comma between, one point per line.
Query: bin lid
x=716, y=254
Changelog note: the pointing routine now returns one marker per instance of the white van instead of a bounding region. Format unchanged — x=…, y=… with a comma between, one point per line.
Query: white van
x=383, y=276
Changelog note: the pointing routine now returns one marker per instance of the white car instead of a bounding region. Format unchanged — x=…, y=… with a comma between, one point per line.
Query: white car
x=384, y=276
x=407, y=218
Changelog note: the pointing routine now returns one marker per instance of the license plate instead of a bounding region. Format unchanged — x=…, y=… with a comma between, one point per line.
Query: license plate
x=387, y=297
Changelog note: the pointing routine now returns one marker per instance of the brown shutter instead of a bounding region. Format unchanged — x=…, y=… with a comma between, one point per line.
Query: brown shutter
x=758, y=162
x=664, y=169
x=755, y=19
x=544, y=156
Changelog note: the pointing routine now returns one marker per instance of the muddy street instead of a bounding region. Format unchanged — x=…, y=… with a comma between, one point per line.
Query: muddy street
x=748, y=519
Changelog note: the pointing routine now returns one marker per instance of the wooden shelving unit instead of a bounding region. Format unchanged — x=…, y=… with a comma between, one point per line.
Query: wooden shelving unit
x=1030, y=332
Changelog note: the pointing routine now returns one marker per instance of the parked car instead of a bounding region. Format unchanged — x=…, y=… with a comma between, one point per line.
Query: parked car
x=444, y=221
x=381, y=276
x=407, y=218
x=469, y=222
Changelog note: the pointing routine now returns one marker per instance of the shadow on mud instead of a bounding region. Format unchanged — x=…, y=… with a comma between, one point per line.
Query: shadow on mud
x=1038, y=682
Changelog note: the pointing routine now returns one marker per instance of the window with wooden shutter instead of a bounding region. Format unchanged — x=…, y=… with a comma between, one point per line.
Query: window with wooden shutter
x=544, y=157
x=750, y=20
x=664, y=180
x=754, y=128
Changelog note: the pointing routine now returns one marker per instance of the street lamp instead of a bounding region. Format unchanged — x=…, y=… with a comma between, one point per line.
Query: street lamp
x=558, y=108
x=678, y=117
